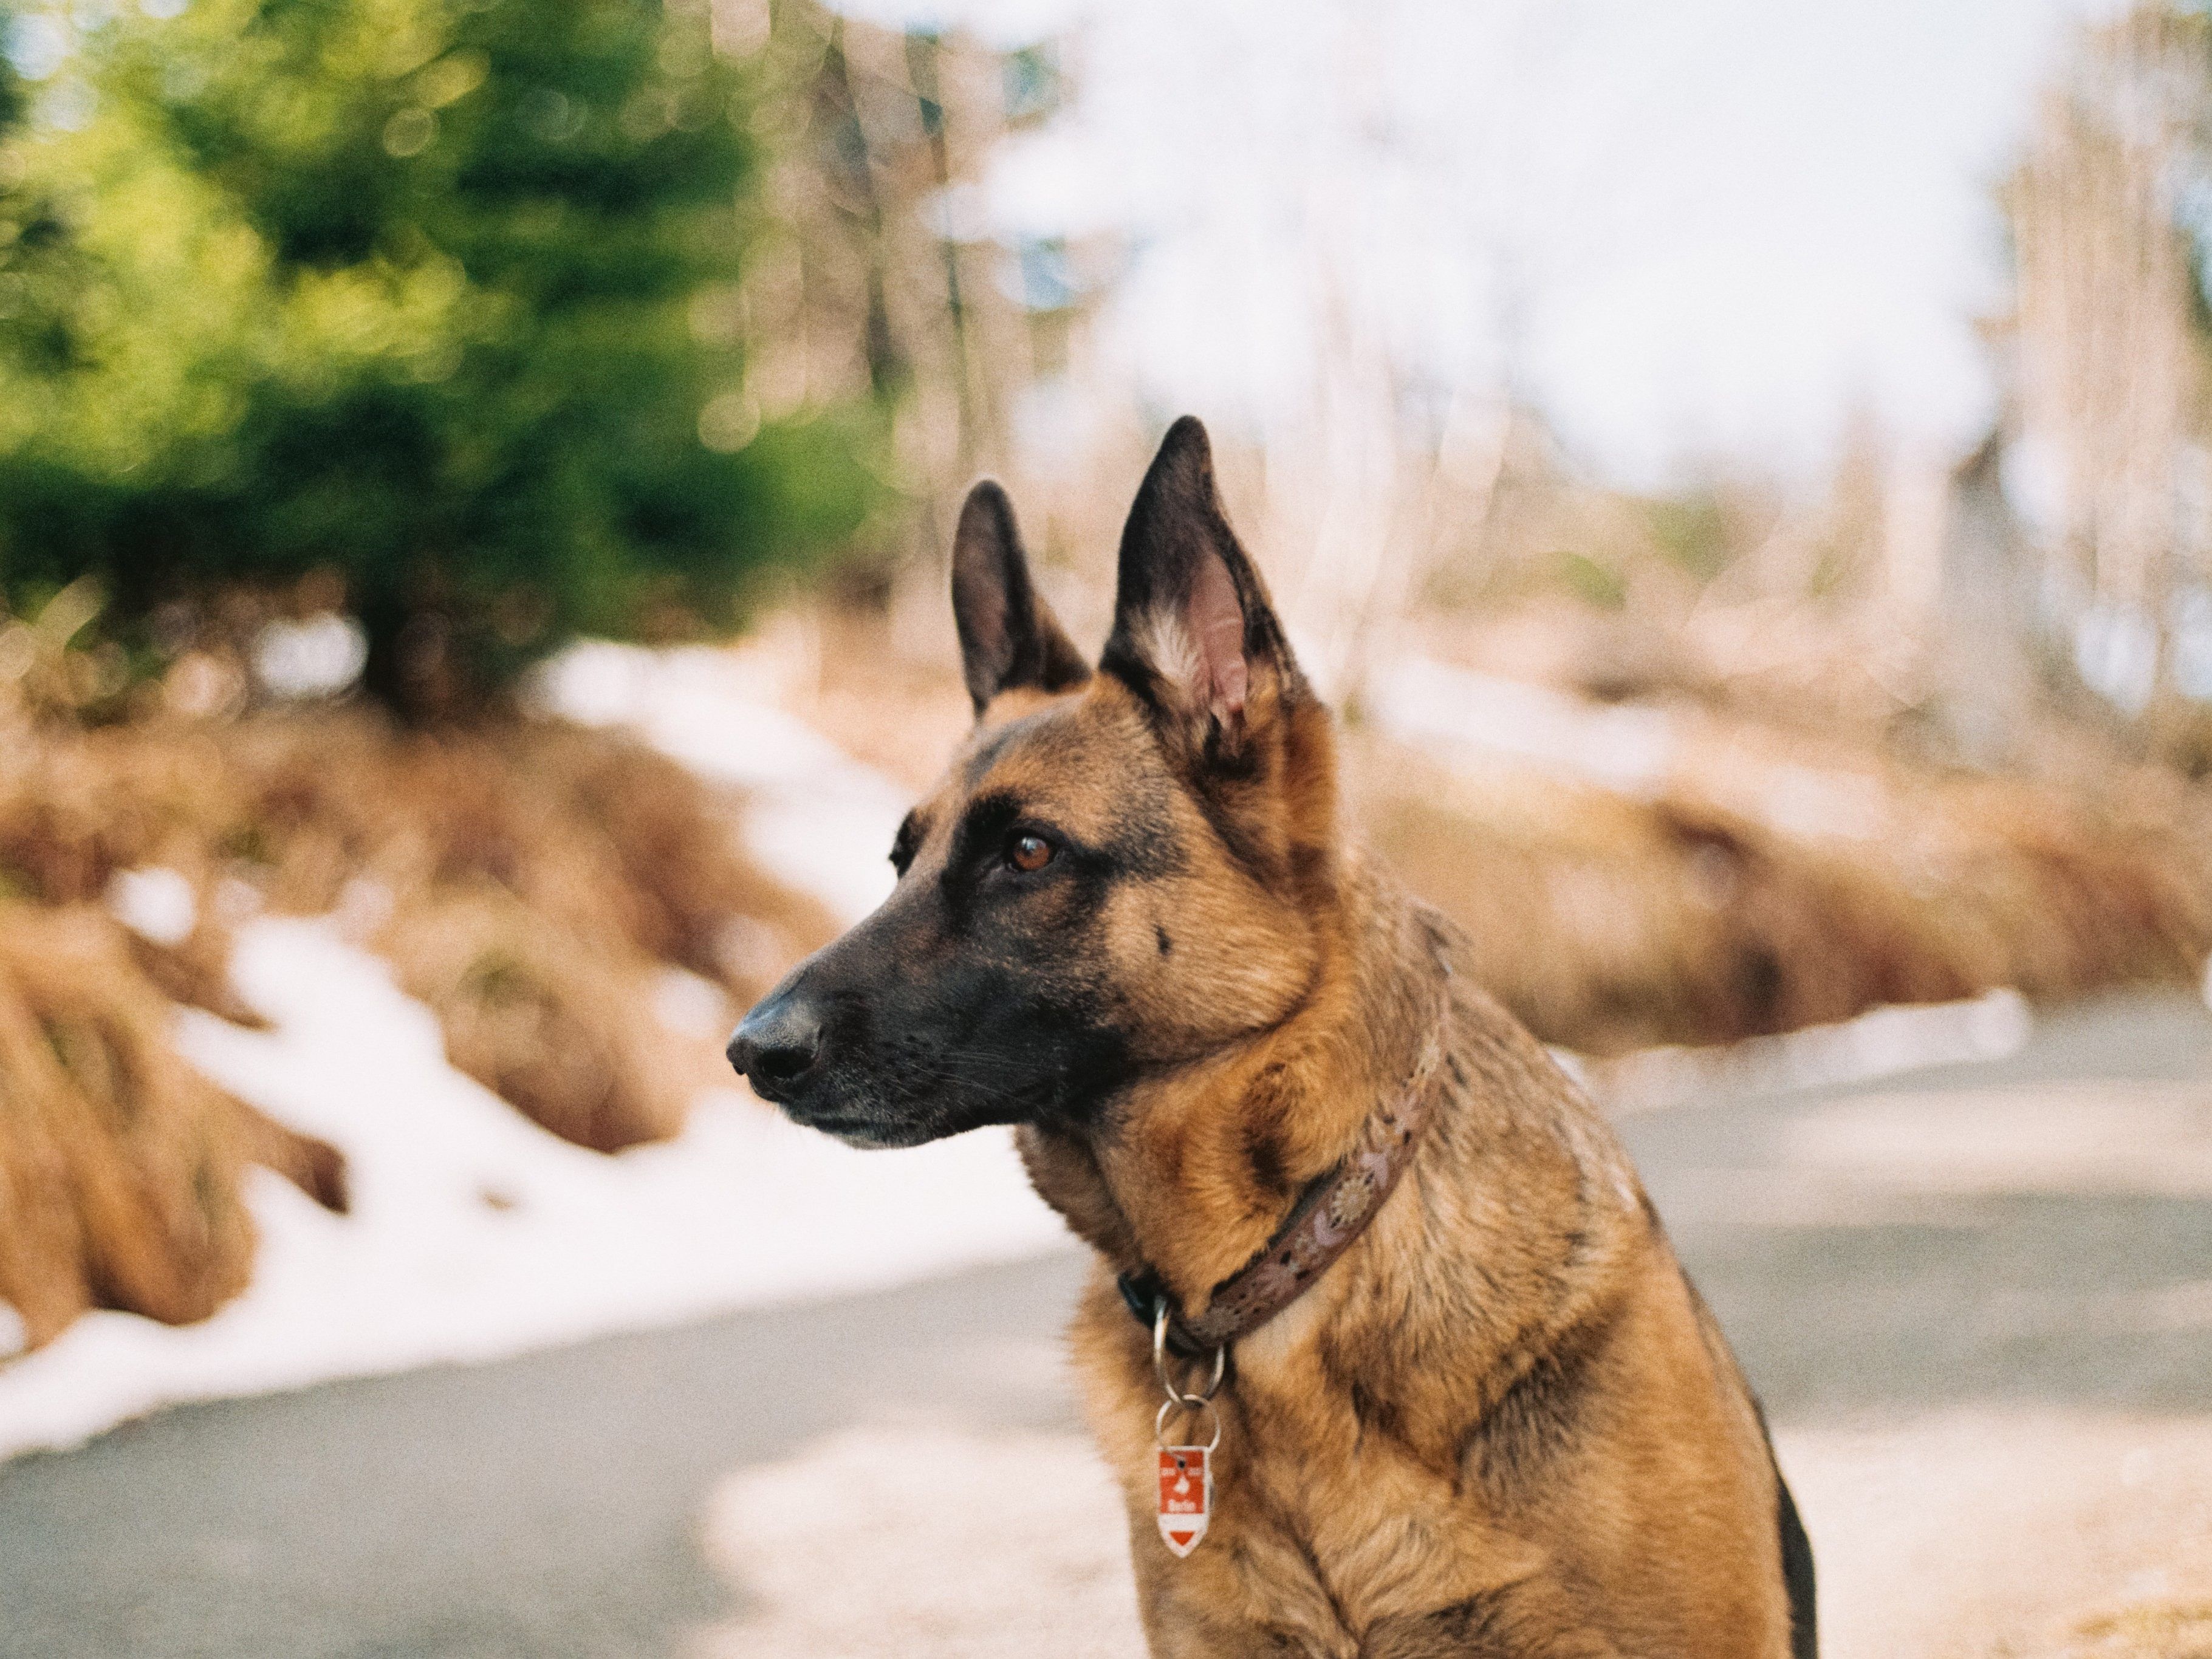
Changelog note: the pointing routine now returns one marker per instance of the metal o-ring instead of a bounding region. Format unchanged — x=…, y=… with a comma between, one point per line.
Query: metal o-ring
x=1186, y=1402
x=1160, y=1359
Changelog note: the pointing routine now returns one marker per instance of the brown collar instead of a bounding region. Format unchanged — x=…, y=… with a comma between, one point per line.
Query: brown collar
x=1331, y=1212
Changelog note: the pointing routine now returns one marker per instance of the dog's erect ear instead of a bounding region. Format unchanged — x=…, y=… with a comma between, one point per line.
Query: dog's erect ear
x=1194, y=633
x=1008, y=636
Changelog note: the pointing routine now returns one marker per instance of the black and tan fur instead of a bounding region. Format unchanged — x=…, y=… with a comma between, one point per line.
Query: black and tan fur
x=1502, y=1423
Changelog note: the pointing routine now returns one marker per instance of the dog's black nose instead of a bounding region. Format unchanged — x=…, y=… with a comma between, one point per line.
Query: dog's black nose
x=777, y=1044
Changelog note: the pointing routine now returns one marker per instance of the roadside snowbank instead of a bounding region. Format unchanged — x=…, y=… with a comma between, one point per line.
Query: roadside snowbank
x=474, y=1234
x=1882, y=1042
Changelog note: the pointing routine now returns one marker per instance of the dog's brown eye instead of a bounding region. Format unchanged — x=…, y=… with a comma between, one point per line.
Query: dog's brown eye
x=1029, y=854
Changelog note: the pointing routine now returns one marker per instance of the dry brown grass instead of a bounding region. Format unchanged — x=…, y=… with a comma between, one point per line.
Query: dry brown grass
x=2152, y=1630
x=119, y=1164
x=531, y=883
x=602, y=837
x=537, y=882
x=543, y=1014
x=1608, y=923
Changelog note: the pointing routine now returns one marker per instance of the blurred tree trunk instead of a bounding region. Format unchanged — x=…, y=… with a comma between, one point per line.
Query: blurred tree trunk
x=2109, y=356
x=885, y=273
x=1985, y=613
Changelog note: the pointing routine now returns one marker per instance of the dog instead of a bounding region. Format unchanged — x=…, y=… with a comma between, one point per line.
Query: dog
x=1441, y=1384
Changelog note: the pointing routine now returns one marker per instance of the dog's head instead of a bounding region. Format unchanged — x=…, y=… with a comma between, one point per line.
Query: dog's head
x=1123, y=870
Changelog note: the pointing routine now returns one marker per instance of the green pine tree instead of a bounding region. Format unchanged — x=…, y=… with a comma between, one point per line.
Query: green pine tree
x=404, y=289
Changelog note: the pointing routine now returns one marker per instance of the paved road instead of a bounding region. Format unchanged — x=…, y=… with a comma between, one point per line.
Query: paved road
x=550, y=1506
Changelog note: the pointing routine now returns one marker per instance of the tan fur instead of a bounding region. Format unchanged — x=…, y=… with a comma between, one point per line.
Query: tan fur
x=1499, y=1425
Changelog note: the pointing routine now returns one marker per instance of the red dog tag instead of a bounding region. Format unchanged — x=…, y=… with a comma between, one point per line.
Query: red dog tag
x=1186, y=1496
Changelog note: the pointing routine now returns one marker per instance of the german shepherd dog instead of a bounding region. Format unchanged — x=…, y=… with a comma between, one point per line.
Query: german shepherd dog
x=1128, y=922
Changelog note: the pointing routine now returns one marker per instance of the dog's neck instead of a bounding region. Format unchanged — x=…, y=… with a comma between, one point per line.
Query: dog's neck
x=1191, y=1171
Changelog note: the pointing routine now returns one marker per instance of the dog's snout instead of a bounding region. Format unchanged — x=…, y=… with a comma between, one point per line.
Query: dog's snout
x=777, y=1044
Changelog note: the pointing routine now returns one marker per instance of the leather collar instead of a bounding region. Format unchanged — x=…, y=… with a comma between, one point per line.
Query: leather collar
x=1334, y=1209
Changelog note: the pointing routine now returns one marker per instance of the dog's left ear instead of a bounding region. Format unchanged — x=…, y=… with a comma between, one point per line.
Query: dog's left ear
x=1009, y=637
x=1194, y=633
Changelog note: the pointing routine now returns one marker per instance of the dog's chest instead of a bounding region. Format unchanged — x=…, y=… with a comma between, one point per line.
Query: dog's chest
x=1337, y=1503
x=1326, y=1526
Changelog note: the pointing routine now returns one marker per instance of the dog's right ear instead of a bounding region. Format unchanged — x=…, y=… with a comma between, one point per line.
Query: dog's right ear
x=1195, y=635
x=1009, y=637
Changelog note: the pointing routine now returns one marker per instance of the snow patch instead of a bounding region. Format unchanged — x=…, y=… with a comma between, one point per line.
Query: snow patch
x=1628, y=749
x=318, y=658
x=690, y=1005
x=156, y=904
x=1880, y=1043
x=814, y=817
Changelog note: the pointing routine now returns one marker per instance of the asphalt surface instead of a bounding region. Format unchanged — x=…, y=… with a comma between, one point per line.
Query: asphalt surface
x=550, y=1506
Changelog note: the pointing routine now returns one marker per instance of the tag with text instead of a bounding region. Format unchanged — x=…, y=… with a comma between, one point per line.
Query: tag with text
x=1186, y=1496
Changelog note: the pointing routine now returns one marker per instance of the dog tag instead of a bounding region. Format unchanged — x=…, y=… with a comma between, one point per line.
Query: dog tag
x=1186, y=1496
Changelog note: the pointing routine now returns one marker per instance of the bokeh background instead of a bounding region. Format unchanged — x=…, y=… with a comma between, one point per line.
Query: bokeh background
x=475, y=478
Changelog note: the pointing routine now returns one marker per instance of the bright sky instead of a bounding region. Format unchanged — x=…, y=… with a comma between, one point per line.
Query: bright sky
x=1701, y=227
x=1686, y=230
